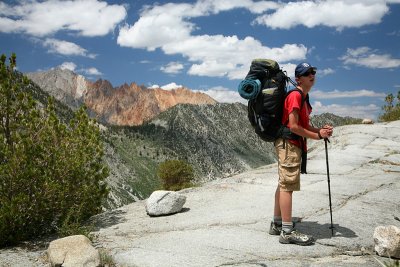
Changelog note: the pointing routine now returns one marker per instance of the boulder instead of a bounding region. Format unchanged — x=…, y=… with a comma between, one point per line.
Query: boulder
x=73, y=251
x=163, y=202
x=387, y=241
x=367, y=121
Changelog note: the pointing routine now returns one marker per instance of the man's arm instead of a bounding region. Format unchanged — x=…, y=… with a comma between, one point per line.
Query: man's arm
x=311, y=132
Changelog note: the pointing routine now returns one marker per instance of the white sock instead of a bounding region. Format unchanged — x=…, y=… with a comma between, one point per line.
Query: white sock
x=287, y=227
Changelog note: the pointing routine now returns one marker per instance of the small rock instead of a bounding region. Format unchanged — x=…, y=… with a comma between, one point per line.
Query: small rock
x=367, y=121
x=73, y=251
x=163, y=202
x=387, y=241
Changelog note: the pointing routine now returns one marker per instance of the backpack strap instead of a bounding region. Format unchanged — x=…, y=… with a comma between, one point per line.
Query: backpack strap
x=303, y=140
x=285, y=131
x=303, y=99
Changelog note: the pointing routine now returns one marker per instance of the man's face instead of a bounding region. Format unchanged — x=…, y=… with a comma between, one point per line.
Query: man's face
x=308, y=78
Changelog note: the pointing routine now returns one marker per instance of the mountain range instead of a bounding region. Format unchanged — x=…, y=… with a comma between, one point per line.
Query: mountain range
x=125, y=105
x=144, y=127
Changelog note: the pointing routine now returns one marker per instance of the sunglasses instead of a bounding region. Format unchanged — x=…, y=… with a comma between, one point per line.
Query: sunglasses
x=307, y=73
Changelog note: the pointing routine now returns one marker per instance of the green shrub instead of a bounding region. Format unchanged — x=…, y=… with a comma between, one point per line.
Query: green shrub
x=392, y=112
x=175, y=175
x=392, y=115
x=51, y=173
x=106, y=259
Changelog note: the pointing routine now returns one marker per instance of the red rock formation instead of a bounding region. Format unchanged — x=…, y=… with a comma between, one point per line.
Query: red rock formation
x=133, y=105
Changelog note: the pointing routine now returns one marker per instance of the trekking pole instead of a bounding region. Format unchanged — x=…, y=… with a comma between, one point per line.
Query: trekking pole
x=329, y=181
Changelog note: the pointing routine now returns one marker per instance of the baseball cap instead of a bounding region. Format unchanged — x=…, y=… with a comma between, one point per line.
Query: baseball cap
x=303, y=68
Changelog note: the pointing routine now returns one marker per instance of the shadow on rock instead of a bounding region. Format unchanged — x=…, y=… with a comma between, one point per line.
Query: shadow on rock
x=323, y=231
x=107, y=219
x=183, y=210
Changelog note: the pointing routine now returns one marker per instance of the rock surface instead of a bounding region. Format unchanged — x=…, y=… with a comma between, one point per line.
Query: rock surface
x=226, y=221
x=387, y=241
x=163, y=202
x=64, y=85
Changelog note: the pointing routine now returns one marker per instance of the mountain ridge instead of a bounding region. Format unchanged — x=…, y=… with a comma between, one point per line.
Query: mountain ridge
x=123, y=105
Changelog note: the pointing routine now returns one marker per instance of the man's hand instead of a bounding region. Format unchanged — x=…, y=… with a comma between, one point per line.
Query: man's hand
x=326, y=131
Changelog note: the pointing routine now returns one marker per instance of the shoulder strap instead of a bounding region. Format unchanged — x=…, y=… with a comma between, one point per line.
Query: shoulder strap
x=303, y=99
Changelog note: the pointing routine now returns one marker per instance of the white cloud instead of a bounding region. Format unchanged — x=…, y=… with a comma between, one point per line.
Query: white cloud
x=224, y=95
x=171, y=86
x=394, y=33
x=211, y=55
x=368, y=111
x=366, y=57
x=346, y=94
x=42, y=18
x=289, y=68
x=172, y=68
x=6, y=10
x=66, y=48
x=72, y=67
x=339, y=14
x=325, y=72
x=92, y=71
x=229, y=56
x=68, y=66
x=211, y=6
x=166, y=20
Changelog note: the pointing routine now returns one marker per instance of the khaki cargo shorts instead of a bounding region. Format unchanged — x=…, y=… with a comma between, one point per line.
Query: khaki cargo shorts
x=289, y=163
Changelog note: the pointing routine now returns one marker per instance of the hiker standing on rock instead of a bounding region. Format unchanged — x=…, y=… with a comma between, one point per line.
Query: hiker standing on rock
x=296, y=114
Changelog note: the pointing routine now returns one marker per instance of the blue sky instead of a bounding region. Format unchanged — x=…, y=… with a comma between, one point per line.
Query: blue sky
x=208, y=45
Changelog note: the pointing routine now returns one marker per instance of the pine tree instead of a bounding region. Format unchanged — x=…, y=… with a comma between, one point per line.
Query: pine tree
x=51, y=173
x=392, y=112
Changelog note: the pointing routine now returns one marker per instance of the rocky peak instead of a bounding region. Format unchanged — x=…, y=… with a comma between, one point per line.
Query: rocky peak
x=133, y=104
x=63, y=84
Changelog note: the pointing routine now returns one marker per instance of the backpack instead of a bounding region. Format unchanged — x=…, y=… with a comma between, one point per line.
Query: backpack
x=266, y=99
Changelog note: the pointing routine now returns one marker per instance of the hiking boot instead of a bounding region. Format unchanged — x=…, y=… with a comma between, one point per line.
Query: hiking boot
x=295, y=237
x=275, y=228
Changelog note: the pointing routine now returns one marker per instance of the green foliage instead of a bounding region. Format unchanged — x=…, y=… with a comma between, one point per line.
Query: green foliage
x=391, y=263
x=74, y=228
x=51, y=173
x=106, y=259
x=392, y=112
x=175, y=175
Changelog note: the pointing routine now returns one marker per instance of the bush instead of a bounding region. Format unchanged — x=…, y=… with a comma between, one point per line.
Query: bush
x=51, y=173
x=392, y=112
x=175, y=175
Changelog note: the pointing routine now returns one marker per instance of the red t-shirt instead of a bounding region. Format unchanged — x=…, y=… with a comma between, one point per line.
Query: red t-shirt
x=293, y=101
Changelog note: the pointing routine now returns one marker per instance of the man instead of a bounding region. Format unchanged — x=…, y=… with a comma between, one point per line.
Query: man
x=289, y=151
